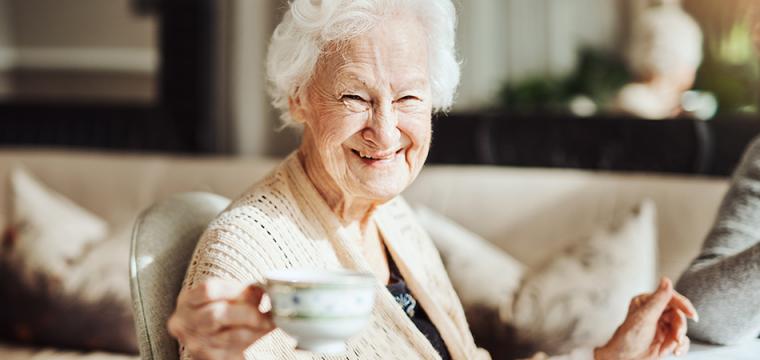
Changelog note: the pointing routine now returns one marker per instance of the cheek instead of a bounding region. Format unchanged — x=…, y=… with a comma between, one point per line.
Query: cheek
x=420, y=135
x=336, y=126
x=418, y=127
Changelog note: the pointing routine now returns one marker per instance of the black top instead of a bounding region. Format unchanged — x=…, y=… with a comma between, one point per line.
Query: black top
x=400, y=292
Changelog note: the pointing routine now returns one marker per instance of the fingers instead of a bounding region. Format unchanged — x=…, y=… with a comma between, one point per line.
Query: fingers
x=253, y=294
x=683, y=304
x=656, y=323
x=668, y=348
x=226, y=343
x=657, y=346
x=673, y=323
x=668, y=343
x=174, y=325
x=204, y=349
x=671, y=333
x=636, y=302
x=683, y=348
x=679, y=326
x=211, y=290
x=237, y=335
x=671, y=347
x=654, y=306
x=219, y=319
x=215, y=316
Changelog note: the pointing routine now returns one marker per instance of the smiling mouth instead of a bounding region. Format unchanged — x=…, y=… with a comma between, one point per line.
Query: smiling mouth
x=379, y=156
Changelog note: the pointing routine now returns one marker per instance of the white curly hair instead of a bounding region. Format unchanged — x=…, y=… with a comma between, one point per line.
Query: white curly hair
x=309, y=26
x=664, y=38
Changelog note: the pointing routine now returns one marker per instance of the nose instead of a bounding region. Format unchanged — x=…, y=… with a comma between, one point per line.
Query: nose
x=382, y=129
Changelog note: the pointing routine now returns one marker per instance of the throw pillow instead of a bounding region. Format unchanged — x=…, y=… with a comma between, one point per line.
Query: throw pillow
x=481, y=273
x=485, y=277
x=575, y=300
x=581, y=296
x=64, y=274
x=50, y=232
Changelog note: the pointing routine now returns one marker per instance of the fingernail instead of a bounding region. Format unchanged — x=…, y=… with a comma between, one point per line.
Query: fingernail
x=696, y=317
x=663, y=284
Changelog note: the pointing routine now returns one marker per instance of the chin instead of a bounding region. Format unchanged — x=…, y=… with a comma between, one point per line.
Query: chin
x=382, y=190
x=379, y=181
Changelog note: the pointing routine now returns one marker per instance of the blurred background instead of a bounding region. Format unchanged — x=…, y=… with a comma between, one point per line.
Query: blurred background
x=109, y=106
x=541, y=81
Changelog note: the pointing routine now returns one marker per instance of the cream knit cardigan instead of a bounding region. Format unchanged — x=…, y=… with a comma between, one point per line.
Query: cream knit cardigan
x=283, y=222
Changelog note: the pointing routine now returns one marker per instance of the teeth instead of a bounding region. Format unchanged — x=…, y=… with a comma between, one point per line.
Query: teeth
x=368, y=156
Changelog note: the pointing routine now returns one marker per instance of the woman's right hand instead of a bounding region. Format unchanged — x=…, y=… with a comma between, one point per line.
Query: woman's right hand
x=219, y=319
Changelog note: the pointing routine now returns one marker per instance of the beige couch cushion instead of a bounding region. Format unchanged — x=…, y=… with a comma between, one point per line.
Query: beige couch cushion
x=520, y=210
x=117, y=186
x=532, y=213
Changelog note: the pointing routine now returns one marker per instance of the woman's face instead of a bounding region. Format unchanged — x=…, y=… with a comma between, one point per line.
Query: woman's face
x=366, y=112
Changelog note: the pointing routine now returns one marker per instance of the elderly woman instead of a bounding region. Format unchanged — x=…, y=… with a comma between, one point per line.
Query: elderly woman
x=362, y=78
x=664, y=53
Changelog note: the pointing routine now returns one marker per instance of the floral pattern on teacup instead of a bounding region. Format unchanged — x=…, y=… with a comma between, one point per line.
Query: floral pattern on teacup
x=321, y=303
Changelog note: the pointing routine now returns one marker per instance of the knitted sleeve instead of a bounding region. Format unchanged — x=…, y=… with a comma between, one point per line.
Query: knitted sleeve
x=235, y=247
x=226, y=250
x=723, y=282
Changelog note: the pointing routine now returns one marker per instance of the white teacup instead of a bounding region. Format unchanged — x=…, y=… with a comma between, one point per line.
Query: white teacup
x=321, y=309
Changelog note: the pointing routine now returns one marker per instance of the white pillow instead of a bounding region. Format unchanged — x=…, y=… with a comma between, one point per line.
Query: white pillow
x=51, y=232
x=575, y=300
x=481, y=273
x=64, y=273
x=581, y=296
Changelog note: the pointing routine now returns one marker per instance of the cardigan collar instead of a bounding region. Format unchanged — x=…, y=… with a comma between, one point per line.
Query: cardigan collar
x=395, y=231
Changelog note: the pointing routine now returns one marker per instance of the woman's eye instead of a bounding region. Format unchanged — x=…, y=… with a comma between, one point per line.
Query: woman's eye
x=352, y=97
x=408, y=97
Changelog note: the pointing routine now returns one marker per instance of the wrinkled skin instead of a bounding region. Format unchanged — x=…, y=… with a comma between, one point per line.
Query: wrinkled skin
x=219, y=319
x=654, y=328
x=370, y=96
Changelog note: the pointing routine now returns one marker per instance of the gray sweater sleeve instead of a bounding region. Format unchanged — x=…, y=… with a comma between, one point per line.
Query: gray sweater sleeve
x=723, y=282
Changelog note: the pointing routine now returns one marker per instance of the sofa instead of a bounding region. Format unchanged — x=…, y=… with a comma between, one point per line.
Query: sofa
x=530, y=213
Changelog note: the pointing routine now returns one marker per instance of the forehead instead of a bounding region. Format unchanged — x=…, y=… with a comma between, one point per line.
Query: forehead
x=394, y=51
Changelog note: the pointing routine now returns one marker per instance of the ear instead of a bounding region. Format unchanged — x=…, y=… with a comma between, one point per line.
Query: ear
x=297, y=107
